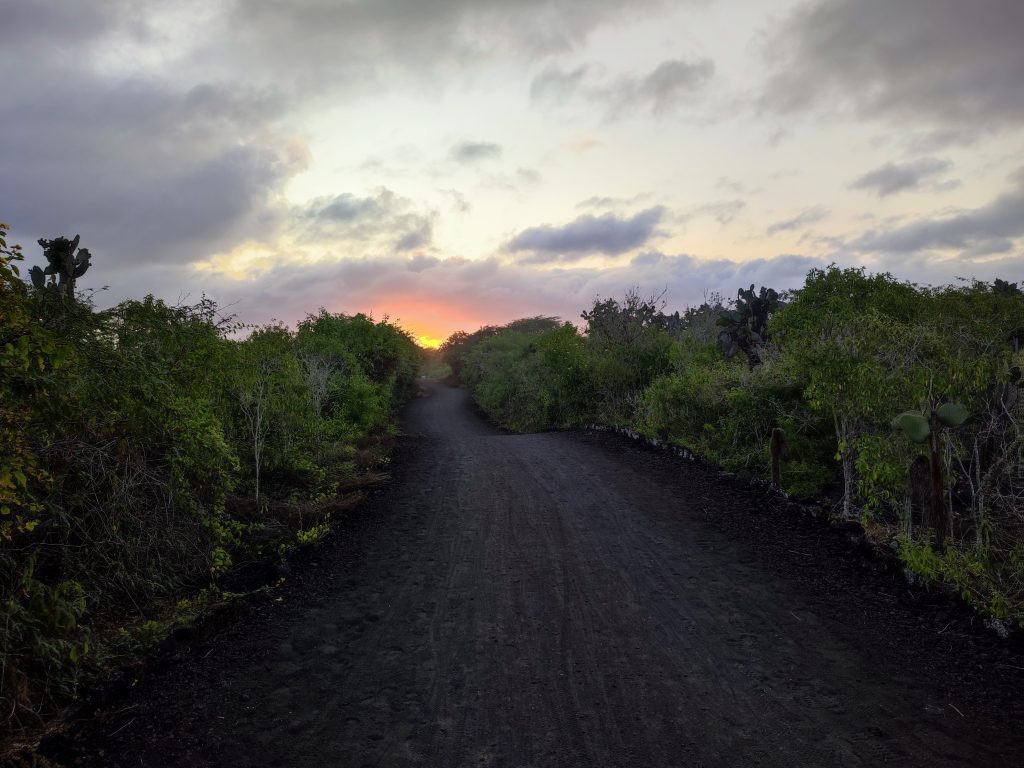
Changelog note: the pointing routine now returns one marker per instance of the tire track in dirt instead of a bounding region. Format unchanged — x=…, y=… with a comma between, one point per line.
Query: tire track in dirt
x=569, y=600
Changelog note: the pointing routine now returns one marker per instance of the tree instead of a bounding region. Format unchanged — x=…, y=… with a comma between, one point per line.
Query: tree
x=849, y=336
x=631, y=348
x=928, y=428
x=27, y=353
x=318, y=370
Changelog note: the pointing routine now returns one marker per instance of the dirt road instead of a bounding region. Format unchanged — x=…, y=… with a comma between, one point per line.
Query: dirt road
x=575, y=600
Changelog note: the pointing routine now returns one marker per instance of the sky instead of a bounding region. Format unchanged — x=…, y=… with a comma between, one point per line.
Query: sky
x=456, y=163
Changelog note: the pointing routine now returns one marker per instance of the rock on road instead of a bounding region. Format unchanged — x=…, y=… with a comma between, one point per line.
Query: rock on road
x=561, y=599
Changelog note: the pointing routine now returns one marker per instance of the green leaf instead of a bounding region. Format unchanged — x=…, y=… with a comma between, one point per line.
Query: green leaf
x=952, y=414
x=914, y=426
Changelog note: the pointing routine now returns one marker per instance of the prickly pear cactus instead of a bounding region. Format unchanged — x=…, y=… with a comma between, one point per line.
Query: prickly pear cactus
x=65, y=263
x=952, y=414
x=917, y=427
x=914, y=425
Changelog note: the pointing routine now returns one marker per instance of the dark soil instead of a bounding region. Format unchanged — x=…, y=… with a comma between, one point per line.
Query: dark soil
x=572, y=599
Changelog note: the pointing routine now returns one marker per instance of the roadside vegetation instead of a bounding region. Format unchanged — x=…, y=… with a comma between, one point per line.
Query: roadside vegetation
x=900, y=403
x=156, y=458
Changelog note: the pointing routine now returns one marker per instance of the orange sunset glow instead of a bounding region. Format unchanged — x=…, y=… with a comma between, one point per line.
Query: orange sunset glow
x=501, y=160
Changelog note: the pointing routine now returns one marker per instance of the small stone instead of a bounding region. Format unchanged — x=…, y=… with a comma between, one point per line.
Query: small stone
x=1000, y=626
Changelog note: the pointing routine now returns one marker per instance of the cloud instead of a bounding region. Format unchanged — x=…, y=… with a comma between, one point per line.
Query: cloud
x=419, y=262
x=437, y=296
x=177, y=117
x=948, y=63
x=647, y=259
x=941, y=138
x=528, y=176
x=149, y=170
x=516, y=181
x=54, y=23
x=469, y=152
x=659, y=91
x=344, y=225
x=986, y=230
x=555, y=85
x=352, y=43
x=458, y=200
x=607, y=234
x=668, y=84
x=802, y=219
x=730, y=185
x=722, y=211
x=899, y=177
x=373, y=221
x=144, y=170
x=606, y=202
x=416, y=238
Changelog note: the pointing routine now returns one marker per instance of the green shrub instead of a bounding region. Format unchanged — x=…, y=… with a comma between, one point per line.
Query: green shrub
x=133, y=443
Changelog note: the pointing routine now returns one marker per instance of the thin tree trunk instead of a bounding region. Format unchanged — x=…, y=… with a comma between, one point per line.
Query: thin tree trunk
x=256, y=455
x=846, y=458
x=978, y=497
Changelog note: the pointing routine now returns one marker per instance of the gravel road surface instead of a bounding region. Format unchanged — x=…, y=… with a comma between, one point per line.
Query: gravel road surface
x=573, y=599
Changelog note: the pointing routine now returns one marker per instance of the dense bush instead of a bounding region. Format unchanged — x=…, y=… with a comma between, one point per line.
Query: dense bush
x=831, y=365
x=150, y=453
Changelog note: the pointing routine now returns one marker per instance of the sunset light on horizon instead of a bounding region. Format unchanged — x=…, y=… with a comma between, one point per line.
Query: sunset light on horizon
x=456, y=164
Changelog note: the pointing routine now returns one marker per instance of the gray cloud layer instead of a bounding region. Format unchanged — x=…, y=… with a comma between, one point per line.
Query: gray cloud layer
x=989, y=229
x=671, y=83
x=556, y=85
x=585, y=235
x=148, y=170
x=492, y=291
x=167, y=169
x=468, y=152
x=157, y=172
x=662, y=89
x=950, y=63
x=899, y=177
x=382, y=222
x=802, y=219
x=722, y=211
x=356, y=39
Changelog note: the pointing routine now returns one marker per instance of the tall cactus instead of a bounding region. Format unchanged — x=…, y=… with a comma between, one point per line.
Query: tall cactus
x=64, y=265
x=922, y=428
x=745, y=328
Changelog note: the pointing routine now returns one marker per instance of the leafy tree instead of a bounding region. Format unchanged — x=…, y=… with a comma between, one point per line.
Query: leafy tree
x=148, y=452
x=631, y=349
x=28, y=354
x=927, y=428
x=845, y=333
